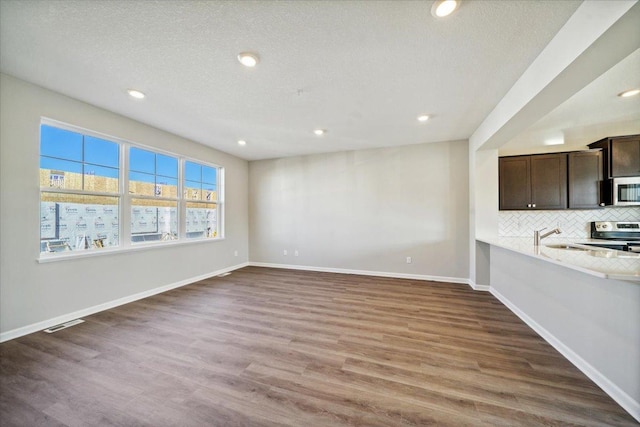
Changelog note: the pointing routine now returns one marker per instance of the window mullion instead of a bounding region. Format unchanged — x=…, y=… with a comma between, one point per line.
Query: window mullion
x=182, y=204
x=125, y=206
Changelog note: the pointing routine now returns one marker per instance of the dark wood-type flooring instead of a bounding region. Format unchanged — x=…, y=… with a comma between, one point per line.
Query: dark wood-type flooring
x=267, y=347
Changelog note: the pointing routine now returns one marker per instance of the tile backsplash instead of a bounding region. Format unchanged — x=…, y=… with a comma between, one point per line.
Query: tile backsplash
x=573, y=223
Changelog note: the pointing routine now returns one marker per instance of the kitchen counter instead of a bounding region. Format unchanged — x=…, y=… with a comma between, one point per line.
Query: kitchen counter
x=599, y=262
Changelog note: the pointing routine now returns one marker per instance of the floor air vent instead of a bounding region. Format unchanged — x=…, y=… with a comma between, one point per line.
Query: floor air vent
x=63, y=326
x=223, y=274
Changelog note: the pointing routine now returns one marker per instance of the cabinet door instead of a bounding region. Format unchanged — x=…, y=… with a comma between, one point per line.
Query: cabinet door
x=549, y=181
x=625, y=156
x=585, y=174
x=515, y=185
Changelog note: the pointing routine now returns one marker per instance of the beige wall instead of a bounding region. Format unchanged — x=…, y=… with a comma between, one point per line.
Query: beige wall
x=365, y=210
x=31, y=292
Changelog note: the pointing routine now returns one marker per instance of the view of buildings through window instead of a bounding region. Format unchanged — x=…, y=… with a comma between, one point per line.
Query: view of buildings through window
x=82, y=200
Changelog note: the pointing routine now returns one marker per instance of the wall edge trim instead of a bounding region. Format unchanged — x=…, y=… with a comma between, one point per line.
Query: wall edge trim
x=38, y=326
x=477, y=287
x=608, y=386
x=445, y=279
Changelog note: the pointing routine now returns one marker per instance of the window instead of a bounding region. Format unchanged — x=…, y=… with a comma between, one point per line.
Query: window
x=79, y=201
x=87, y=198
x=153, y=178
x=201, y=196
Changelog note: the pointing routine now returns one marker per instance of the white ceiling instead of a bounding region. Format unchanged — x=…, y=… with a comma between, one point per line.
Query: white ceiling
x=591, y=114
x=361, y=69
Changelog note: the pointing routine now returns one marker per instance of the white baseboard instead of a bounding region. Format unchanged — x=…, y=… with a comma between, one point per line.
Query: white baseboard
x=364, y=272
x=623, y=399
x=35, y=327
x=477, y=287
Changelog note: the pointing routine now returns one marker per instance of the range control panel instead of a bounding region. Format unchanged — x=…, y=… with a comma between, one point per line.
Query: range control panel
x=617, y=226
x=610, y=230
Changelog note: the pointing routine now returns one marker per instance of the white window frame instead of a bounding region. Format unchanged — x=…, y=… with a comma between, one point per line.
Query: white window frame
x=218, y=202
x=124, y=199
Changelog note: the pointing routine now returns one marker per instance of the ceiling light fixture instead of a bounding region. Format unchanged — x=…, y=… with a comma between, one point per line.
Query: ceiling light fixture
x=423, y=118
x=320, y=132
x=135, y=94
x=242, y=142
x=554, y=141
x=248, y=59
x=628, y=93
x=442, y=8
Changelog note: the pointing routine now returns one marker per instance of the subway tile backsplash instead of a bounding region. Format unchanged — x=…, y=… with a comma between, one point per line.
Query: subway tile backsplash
x=573, y=223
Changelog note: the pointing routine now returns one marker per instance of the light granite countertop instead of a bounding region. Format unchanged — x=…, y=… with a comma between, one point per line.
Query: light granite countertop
x=600, y=262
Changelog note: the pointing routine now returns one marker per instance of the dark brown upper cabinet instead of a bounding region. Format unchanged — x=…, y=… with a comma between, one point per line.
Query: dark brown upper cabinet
x=585, y=174
x=533, y=182
x=620, y=155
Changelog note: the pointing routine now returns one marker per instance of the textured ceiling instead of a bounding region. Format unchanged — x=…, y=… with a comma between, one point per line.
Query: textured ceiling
x=361, y=69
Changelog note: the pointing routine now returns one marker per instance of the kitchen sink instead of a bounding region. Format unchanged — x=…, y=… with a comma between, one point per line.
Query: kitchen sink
x=567, y=246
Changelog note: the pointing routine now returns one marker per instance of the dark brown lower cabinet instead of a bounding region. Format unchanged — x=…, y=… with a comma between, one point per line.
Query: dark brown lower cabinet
x=585, y=174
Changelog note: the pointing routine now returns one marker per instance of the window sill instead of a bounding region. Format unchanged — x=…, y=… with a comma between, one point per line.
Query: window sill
x=70, y=255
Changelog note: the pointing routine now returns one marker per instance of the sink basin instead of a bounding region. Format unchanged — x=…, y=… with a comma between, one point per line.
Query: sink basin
x=566, y=246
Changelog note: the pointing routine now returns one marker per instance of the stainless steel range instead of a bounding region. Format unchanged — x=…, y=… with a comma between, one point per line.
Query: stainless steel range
x=623, y=236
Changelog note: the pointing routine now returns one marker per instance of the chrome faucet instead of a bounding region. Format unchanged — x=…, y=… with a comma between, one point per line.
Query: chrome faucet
x=537, y=237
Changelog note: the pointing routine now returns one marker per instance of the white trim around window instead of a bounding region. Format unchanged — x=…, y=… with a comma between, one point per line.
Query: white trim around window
x=149, y=215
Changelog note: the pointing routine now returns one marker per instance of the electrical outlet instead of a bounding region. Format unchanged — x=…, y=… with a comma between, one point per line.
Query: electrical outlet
x=295, y=253
x=284, y=252
x=235, y=253
x=409, y=260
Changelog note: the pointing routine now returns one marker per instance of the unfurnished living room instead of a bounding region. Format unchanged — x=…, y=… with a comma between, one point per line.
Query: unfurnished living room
x=319, y=213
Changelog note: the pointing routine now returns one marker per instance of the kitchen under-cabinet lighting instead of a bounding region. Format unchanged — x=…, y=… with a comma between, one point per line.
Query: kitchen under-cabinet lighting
x=423, y=118
x=628, y=93
x=320, y=132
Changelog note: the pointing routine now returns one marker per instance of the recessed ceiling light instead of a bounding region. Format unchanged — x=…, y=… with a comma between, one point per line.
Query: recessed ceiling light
x=554, y=141
x=423, y=118
x=320, y=132
x=628, y=93
x=442, y=8
x=248, y=59
x=242, y=142
x=135, y=94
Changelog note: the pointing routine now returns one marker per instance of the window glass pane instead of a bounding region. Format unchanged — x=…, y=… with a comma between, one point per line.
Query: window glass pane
x=192, y=172
x=192, y=190
x=202, y=220
x=209, y=193
x=166, y=187
x=101, y=171
x=153, y=220
x=209, y=175
x=60, y=143
x=75, y=222
x=101, y=152
x=141, y=183
x=142, y=160
x=56, y=173
x=100, y=179
x=166, y=166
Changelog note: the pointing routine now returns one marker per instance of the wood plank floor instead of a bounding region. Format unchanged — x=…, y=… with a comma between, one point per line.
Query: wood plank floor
x=268, y=347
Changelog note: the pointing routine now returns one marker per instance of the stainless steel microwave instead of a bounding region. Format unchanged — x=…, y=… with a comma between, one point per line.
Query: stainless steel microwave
x=626, y=191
